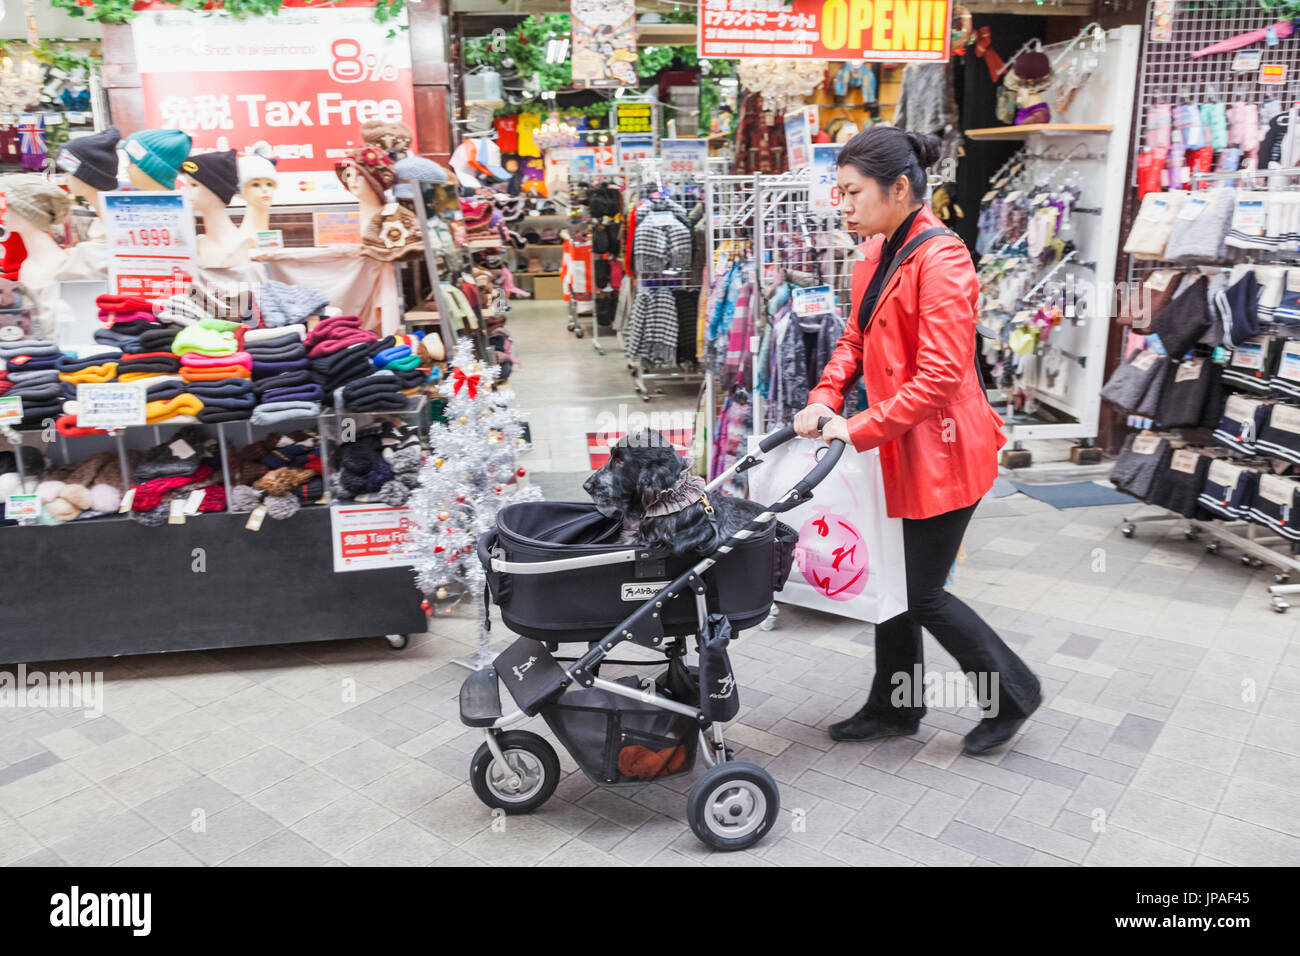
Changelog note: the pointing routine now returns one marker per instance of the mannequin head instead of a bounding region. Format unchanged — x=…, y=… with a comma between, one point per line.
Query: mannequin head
x=367, y=170
x=35, y=205
x=259, y=192
x=155, y=157
x=144, y=182
x=210, y=180
x=257, y=177
x=90, y=164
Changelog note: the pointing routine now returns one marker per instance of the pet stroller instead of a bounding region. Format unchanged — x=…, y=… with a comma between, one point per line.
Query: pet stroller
x=559, y=575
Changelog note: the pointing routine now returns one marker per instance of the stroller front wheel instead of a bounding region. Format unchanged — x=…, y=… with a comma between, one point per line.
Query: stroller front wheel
x=733, y=805
x=528, y=779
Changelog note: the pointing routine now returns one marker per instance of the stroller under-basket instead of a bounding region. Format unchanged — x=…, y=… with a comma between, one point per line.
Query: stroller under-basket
x=558, y=575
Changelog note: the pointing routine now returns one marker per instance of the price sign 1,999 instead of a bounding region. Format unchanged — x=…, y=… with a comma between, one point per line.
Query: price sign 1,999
x=149, y=237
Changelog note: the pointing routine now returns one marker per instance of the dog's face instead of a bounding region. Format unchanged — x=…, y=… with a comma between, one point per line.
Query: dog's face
x=640, y=467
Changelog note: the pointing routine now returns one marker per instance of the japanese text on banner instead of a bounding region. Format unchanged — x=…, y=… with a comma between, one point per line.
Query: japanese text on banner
x=884, y=30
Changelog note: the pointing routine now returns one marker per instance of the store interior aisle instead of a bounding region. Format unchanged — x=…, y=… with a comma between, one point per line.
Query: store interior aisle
x=565, y=390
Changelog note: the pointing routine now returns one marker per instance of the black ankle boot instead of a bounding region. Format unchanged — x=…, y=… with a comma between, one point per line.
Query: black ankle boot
x=992, y=732
x=864, y=726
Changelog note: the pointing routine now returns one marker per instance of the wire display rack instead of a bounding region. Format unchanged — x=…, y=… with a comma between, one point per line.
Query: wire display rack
x=644, y=177
x=1169, y=74
x=789, y=237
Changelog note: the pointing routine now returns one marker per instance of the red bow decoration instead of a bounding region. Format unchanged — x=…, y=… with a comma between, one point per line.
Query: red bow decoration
x=459, y=378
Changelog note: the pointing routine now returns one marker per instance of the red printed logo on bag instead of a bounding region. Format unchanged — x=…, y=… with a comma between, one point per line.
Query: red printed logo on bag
x=833, y=556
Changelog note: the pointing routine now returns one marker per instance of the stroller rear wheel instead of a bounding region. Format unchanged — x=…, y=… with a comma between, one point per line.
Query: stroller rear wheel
x=733, y=805
x=529, y=777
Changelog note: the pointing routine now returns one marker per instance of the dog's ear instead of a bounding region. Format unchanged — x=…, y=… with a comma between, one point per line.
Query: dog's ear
x=655, y=476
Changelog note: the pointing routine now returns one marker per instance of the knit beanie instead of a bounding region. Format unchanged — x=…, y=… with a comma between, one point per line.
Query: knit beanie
x=92, y=159
x=36, y=199
x=195, y=338
x=257, y=165
x=159, y=153
x=284, y=304
x=374, y=166
x=217, y=171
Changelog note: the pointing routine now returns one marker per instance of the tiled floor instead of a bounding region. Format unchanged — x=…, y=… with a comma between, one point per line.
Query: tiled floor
x=1170, y=732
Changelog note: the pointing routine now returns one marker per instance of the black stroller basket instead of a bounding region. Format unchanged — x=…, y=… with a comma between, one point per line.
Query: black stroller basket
x=584, y=603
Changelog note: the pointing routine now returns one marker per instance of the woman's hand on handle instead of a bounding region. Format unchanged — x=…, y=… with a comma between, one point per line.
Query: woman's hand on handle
x=837, y=427
x=805, y=421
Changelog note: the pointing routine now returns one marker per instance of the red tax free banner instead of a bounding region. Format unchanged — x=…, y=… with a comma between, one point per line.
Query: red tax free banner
x=878, y=30
x=302, y=81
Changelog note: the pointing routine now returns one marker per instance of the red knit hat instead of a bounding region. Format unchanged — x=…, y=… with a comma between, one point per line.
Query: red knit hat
x=374, y=166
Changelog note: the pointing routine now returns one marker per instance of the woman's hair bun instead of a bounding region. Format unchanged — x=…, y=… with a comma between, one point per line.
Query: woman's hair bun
x=926, y=146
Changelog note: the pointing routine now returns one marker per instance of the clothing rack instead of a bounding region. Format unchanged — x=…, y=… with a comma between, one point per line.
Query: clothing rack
x=646, y=178
x=1170, y=75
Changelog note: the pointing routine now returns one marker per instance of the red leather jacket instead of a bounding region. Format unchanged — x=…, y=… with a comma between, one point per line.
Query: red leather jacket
x=938, y=436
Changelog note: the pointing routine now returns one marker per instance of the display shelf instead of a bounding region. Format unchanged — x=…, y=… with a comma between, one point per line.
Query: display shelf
x=273, y=586
x=1043, y=129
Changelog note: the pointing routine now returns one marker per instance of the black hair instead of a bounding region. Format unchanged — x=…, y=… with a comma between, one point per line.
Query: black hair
x=884, y=153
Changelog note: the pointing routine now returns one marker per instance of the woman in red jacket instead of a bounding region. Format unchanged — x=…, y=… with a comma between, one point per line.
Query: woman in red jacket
x=911, y=338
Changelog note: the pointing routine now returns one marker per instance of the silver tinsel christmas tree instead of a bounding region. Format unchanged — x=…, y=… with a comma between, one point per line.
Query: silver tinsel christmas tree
x=471, y=471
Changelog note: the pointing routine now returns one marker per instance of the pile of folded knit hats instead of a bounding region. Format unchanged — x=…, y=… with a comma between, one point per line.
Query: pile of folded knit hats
x=382, y=464
x=281, y=379
x=171, y=470
x=400, y=355
x=338, y=351
x=125, y=320
x=215, y=372
x=282, y=472
x=32, y=370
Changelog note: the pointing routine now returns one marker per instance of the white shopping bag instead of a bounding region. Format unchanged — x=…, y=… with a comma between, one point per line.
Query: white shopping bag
x=850, y=555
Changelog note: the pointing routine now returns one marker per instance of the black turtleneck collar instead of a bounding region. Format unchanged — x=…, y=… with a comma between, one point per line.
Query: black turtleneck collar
x=895, y=242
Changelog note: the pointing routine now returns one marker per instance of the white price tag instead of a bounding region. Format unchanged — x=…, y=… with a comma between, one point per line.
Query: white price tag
x=11, y=409
x=1285, y=418
x=815, y=300
x=195, y=499
x=1145, y=444
x=255, y=518
x=22, y=506
x=176, y=513
x=181, y=449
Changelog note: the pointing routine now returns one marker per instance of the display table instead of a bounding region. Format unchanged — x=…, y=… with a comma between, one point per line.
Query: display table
x=110, y=586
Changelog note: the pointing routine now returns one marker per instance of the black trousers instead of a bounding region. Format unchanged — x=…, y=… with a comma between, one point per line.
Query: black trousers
x=1004, y=685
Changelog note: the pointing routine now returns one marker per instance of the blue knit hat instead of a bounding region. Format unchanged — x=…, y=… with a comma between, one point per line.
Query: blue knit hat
x=159, y=153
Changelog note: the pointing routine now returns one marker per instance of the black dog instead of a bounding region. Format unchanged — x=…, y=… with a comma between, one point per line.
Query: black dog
x=649, y=486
